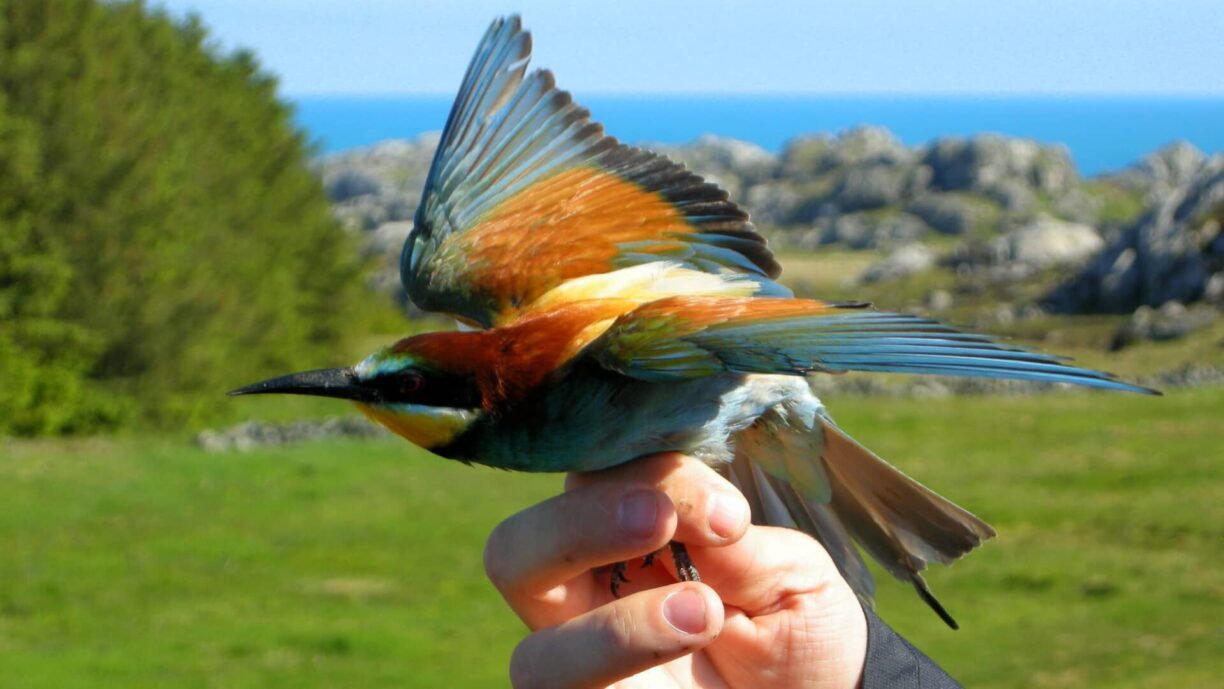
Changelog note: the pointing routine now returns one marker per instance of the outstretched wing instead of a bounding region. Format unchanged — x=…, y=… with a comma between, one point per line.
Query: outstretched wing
x=527, y=192
x=685, y=337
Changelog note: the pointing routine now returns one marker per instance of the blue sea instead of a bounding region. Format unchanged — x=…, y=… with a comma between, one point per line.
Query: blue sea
x=1103, y=133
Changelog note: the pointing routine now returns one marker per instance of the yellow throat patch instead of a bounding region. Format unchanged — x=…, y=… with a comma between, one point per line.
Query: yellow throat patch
x=426, y=427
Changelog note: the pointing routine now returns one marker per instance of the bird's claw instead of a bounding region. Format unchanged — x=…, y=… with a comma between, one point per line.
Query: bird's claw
x=618, y=578
x=685, y=569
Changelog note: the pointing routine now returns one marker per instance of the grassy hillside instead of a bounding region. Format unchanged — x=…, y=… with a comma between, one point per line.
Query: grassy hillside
x=138, y=562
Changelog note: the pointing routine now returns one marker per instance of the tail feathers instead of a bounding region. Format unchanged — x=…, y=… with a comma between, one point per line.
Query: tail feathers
x=900, y=522
x=916, y=524
x=775, y=502
x=860, y=498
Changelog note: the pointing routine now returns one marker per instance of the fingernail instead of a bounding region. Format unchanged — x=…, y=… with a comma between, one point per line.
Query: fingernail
x=725, y=514
x=685, y=610
x=638, y=513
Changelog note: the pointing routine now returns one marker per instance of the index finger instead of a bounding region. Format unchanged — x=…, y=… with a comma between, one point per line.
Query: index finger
x=711, y=511
x=535, y=557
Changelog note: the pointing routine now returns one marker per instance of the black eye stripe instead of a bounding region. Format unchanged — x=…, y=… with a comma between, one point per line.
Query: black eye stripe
x=427, y=388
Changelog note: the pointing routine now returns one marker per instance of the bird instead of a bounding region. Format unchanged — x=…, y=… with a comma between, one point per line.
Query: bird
x=613, y=304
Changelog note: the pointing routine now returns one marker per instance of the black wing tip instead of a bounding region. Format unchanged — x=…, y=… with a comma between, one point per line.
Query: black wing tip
x=924, y=592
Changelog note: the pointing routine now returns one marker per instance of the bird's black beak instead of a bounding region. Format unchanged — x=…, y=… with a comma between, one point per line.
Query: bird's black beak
x=341, y=383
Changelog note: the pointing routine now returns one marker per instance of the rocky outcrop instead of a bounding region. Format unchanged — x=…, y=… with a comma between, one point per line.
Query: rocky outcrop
x=379, y=184
x=1167, y=168
x=863, y=230
x=253, y=434
x=1174, y=252
x=1047, y=243
x=1000, y=166
x=1035, y=246
x=954, y=214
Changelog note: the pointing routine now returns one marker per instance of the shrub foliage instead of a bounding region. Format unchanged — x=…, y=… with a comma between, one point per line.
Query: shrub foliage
x=161, y=236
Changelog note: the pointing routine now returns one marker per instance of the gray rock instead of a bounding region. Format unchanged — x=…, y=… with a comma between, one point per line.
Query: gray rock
x=773, y=203
x=1169, y=167
x=1213, y=292
x=903, y=261
x=388, y=238
x=984, y=162
x=734, y=165
x=1047, y=242
x=939, y=300
x=872, y=186
x=253, y=434
x=1013, y=195
x=380, y=182
x=947, y=213
x=871, y=144
x=1171, y=321
x=1077, y=206
x=1191, y=375
x=870, y=230
x=1001, y=314
x=1170, y=254
x=808, y=156
x=813, y=155
x=349, y=184
x=721, y=157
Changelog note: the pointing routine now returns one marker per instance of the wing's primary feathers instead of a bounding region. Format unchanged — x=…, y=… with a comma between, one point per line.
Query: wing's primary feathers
x=526, y=192
x=683, y=337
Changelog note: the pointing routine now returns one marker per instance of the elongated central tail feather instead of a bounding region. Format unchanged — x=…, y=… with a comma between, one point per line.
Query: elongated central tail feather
x=841, y=493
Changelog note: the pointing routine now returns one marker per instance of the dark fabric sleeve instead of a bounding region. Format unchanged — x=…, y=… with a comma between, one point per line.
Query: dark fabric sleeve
x=893, y=663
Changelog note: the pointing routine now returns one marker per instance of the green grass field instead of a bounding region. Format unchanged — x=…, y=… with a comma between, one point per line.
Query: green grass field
x=142, y=562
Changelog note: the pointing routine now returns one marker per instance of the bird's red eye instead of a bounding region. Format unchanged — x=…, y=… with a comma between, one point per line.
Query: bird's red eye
x=410, y=383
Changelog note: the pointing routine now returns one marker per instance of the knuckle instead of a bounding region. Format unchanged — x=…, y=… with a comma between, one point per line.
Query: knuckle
x=813, y=555
x=621, y=627
x=800, y=548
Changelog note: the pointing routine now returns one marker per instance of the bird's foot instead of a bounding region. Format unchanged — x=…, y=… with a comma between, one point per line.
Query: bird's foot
x=618, y=578
x=684, y=565
x=649, y=560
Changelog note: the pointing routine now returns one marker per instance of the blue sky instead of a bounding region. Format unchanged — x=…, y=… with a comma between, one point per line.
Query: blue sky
x=1173, y=47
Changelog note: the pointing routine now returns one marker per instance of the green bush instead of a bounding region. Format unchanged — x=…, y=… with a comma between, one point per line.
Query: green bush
x=161, y=236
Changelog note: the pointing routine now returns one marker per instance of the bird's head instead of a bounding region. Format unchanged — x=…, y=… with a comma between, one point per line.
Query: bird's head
x=399, y=386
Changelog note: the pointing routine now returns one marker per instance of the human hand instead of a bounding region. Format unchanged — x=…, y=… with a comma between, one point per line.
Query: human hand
x=771, y=609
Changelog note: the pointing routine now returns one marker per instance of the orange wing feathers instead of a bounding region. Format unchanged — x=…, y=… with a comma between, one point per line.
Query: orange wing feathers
x=685, y=315
x=569, y=225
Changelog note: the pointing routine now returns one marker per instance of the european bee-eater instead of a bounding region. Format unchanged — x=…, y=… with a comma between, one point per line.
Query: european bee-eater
x=629, y=308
